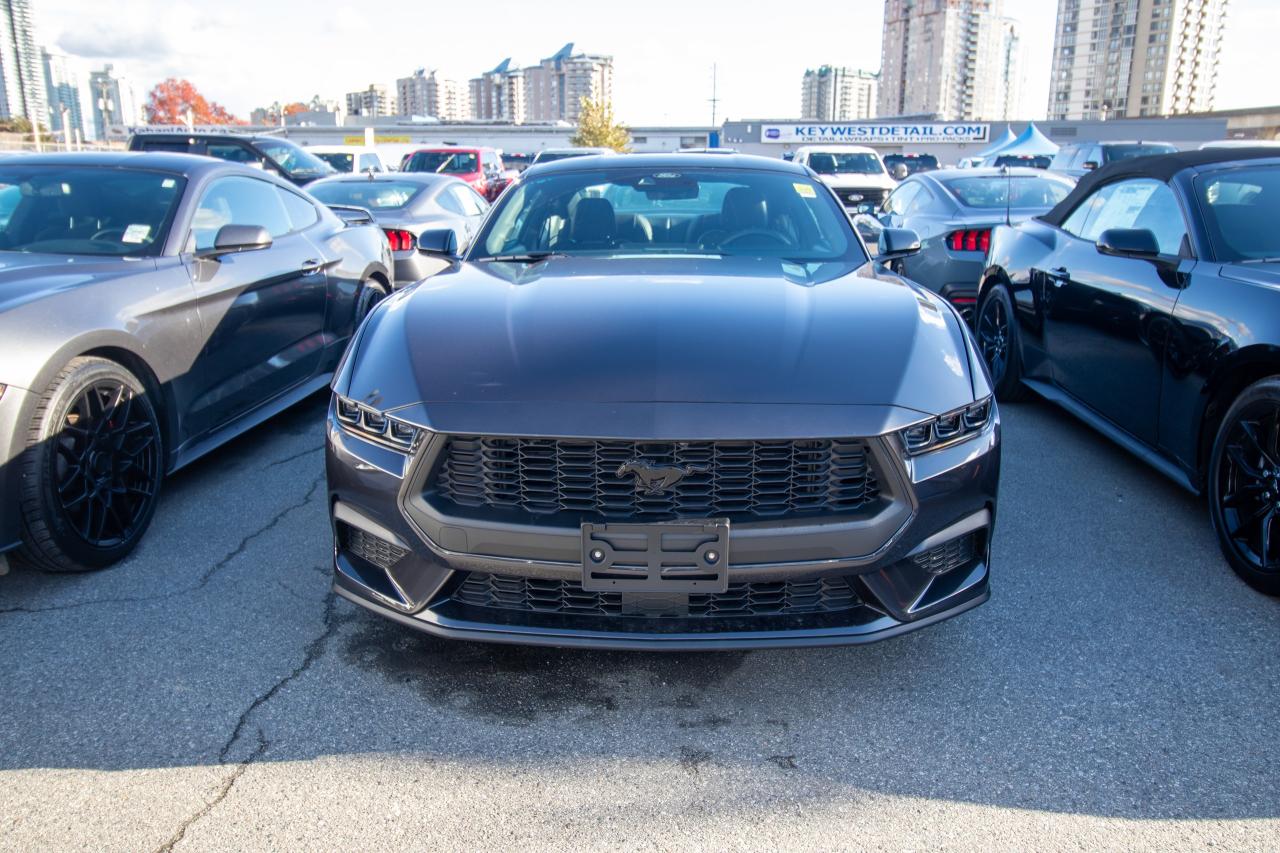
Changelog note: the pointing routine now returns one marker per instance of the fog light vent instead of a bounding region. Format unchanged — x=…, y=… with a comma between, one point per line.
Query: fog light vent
x=948, y=556
x=370, y=548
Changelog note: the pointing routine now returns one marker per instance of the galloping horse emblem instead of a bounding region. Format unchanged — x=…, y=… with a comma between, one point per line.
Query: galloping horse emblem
x=656, y=479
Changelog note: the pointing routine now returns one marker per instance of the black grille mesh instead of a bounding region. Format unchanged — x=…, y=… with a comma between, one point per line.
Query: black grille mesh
x=371, y=548
x=543, y=595
x=948, y=556
x=762, y=479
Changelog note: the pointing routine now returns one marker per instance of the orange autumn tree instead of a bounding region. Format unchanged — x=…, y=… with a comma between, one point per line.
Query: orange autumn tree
x=169, y=101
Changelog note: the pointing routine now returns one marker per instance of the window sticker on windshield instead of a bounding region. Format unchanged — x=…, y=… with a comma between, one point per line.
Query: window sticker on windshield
x=168, y=183
x=136, y=234
x=805, y=190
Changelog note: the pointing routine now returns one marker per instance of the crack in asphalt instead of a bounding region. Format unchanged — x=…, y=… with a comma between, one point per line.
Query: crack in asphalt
x=288, y=459
x=205, y=577
x=311, y=653
x=227, y=785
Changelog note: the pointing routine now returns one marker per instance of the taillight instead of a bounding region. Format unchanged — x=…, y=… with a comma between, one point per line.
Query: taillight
x=401, y=241
x=969, y=240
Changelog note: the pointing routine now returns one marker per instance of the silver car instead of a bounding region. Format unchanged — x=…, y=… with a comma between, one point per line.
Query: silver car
x=953, y=212
x=405, y=204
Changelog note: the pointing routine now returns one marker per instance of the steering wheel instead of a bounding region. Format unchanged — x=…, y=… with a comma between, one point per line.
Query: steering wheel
x=777, y=239
x=105, y=232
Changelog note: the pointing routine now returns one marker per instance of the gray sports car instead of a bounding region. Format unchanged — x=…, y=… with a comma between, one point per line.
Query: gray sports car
x=953, y=212
x=405, y=204
x=152, y=306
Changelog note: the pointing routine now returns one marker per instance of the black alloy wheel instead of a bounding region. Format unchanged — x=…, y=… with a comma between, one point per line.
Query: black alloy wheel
x=93, y=466
x=997, y=337
x=1245, y=486
x=367, y=298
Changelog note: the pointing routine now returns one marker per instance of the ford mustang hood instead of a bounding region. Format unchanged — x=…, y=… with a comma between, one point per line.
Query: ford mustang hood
x=645, y=330
x=26, y=276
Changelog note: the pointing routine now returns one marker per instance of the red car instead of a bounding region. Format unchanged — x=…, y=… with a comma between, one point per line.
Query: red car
x=480, y=167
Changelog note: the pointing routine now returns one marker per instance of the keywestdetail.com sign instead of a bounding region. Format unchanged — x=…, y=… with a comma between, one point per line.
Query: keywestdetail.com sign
x=864, y=133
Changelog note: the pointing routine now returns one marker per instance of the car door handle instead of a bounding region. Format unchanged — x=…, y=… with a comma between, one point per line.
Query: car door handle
x=1059, y=276
x=311, y=267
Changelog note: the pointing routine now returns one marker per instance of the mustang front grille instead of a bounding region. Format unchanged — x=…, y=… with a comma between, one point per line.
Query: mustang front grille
x=598, y=479
x=542, y=595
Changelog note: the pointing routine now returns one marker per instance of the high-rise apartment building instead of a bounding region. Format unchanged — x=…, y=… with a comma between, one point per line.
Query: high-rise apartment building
x=22, y=91
x=555, y=87
x=66, y=93
x=1009, y=67
x=371, y=102
x=1117, y=58
x=838, y=94
x=426, y=93
x=498, y=95
x=114, y=102
x=943, y=57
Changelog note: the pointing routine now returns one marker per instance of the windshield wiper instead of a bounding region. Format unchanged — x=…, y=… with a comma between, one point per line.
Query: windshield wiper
x=525, y=258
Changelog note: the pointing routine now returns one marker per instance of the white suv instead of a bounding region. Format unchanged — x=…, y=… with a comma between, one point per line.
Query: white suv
x=855, y=173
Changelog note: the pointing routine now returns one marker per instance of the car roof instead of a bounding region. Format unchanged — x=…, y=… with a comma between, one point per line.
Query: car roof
x=424, y=178
x=991, y=172
x=597, y=162
x=184, y=134
x=190, y=165
x=836, y=149
x=341, y=149
x=1161, y=167
x=451, y=149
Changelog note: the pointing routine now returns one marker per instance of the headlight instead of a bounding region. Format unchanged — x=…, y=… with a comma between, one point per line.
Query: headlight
x=372, y=425
x=947, y=429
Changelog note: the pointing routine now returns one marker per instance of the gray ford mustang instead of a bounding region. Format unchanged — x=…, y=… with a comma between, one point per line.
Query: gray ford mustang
x=153, y=306
x=664, y=402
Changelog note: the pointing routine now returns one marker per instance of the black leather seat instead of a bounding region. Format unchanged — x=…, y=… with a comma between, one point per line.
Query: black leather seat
x=593, y=225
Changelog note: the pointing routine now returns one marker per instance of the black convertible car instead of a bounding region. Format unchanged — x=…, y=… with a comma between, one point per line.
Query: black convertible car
x=153, y=306
x=664, y=402
x=1148, y=304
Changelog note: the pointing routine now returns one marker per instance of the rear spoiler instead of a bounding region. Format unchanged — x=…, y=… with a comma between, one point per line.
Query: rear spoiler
x=352, y=215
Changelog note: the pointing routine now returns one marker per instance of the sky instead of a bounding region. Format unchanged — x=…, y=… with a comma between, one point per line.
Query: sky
x=247, y=53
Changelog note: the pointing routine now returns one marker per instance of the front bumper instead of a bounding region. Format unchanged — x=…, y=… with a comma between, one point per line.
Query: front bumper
x=422, y=580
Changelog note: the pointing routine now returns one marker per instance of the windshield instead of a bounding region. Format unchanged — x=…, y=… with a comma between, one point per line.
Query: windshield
x=443, y=162
x=670, y=212
x=293, y=159
x=825, y=163
x=1241, y=208
x=914, y=163
x=552, y=156
x=371, y=195
x=990, y=191
x=338, y=160
x=1034, y=161
x=79, y=210
x=1125, y=152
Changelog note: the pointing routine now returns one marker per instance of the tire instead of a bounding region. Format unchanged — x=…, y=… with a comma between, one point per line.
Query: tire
x=370, y=294
x=996, y=334
x=91, y=470
x=1244, y=485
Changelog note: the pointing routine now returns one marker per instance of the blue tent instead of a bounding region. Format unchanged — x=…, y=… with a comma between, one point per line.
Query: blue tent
x=1030, y=143
x=1004, y=140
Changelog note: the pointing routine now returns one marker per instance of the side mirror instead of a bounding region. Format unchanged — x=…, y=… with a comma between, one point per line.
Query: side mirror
x=1128, y=243
x=232, y=239
x=896, y=243
x=441, y=242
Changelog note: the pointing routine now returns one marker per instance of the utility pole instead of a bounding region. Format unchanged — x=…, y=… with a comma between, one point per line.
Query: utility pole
x=714, y=100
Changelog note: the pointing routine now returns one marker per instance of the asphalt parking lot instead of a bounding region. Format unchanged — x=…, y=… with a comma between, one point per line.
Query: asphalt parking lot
x=1120, y=690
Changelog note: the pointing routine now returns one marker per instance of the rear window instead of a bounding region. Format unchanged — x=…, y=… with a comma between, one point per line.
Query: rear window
x=1142, y=149
x=1021, y=191
x=372, y=195
x=82, y=210
x=913, y=162
x=443, y=162
x=338, y=160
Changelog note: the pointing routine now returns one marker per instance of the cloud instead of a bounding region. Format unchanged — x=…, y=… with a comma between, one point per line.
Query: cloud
x=111, y=40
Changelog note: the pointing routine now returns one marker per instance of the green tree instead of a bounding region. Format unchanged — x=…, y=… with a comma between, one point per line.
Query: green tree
x=597, y=129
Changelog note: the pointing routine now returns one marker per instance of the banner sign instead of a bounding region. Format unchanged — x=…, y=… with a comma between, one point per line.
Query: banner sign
x=864, y=133
x=377, y=140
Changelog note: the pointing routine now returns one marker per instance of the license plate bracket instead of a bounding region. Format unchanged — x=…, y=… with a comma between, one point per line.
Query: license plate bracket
x=676, y=556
